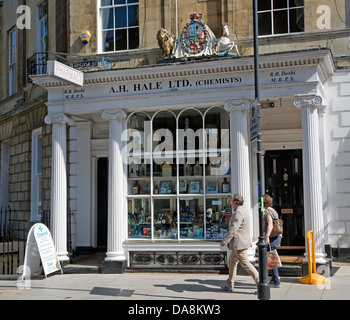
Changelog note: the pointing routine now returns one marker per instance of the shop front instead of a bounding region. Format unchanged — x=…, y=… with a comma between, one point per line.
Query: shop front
x=155, y=153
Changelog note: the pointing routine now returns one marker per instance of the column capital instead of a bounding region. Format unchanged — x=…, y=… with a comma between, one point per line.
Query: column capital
x=230, y=106
x=113, y=114
x=56, y=118
x=314, y=101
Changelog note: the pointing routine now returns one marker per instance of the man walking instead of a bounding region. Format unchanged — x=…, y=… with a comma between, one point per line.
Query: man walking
x=238, y=241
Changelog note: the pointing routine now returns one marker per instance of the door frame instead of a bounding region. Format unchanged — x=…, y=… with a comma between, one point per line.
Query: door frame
x=99, y=149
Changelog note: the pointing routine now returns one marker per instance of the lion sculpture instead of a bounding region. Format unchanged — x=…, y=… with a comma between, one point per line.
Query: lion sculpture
x=166, y=42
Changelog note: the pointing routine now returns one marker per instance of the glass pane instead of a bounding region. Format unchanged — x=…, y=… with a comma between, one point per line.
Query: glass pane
x=265, y=24
x=39, y=154
x=264, y=5
x=296, y=3
x=217, y=170
x=164, y=161
x=296, y=17
x=191, y=218
x=119, y=1
x=133, y=1
x=190, y=149
x=106, y=3
x=280, y=22
x=279, y=4
x=218, y=215
x=165, y=219
x=108, y=41
x=134, y=38
x=139, y=218
x=139, y=154
x=121, y=41
x=120, y=17
x=42, y=10
x=133, y=12
x=107, y=19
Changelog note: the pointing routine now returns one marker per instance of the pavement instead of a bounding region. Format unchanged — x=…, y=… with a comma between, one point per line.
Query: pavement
x=171, y=287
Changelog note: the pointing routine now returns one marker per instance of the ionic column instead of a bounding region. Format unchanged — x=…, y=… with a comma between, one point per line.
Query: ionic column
x=313, y=211
x=240, y=173
x=116, y=194
x=59, y=184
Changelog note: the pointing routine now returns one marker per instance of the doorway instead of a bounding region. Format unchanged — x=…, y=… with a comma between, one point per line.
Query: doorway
x=284, y=182
x=102, y=203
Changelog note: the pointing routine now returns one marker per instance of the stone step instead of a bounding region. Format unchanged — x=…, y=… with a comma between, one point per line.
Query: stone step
x=81, y=268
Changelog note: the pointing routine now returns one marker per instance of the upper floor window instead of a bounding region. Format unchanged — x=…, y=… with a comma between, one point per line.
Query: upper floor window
x=119, y=25
x=36, y=195
x=42, y=28
x=280, y=17
x=12, y=56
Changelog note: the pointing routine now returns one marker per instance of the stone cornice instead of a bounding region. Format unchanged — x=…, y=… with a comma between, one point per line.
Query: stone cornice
x=215, y=66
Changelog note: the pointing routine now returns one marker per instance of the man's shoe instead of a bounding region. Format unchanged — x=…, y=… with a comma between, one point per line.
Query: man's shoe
x=226, y=288
x=274, y=285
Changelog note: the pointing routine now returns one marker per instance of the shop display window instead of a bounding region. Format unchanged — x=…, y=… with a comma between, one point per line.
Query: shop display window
x=218, y=215
x=192, y=218
x=179, y=165
x=165, y=219
x=139, y=218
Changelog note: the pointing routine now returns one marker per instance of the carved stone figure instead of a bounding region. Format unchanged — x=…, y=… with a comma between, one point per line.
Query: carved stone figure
x=225, y=45
x=196, y=39
x=166, y=42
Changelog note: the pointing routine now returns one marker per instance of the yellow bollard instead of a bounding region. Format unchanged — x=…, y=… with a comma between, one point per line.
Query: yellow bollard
x=312, y=277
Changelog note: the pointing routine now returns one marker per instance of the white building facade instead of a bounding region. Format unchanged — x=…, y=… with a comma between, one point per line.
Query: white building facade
x=189, y=140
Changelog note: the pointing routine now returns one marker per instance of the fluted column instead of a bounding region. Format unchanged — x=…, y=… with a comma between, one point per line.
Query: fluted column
x=59, y=184
x=240, y=176
x=313, y=211
x=240, y=173
x=116, y=196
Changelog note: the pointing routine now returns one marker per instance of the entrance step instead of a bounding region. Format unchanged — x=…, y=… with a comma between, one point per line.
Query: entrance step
x=291, y=250
x=292, y=260
x=81, y=269
x=85, y=264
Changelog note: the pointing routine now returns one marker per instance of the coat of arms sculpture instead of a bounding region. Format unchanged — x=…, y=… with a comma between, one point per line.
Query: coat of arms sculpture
x=196, y=40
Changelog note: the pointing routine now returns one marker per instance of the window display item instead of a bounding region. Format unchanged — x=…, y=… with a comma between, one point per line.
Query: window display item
x=188, y=169
x=166, y=170
x=225, y=186
x=197, y=171
x=136, y=188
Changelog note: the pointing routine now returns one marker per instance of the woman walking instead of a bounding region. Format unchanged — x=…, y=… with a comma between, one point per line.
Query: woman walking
x=274, y=242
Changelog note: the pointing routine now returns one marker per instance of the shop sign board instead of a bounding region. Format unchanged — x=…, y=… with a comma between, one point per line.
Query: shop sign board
x=40, y=246
x=63, y=72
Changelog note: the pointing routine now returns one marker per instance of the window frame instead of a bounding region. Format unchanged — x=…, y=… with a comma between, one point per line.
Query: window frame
x=150, y=205
x=36, y=175
x=272, y=11
x=114, y=29
x=12, y=62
